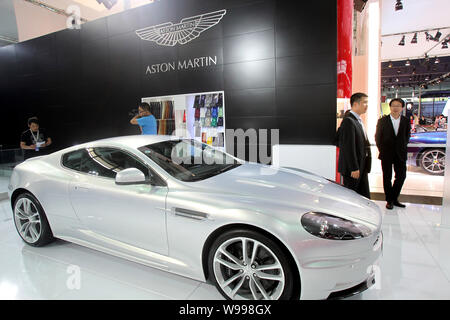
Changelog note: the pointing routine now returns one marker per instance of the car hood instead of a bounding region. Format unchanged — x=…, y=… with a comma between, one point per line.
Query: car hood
x=294, y=188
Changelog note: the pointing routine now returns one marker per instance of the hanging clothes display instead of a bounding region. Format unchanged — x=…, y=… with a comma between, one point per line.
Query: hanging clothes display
x=209, y=118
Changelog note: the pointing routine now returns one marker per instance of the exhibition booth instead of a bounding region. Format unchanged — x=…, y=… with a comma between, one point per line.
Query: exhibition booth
x=259, y=82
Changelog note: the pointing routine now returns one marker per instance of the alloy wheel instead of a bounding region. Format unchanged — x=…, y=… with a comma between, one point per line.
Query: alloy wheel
x=28, y=220
x=433, y=161
x=247, y=269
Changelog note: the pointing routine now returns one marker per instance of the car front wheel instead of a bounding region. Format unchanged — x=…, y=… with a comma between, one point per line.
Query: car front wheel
x=246, y=265
x=433, y=161
x=30, y=221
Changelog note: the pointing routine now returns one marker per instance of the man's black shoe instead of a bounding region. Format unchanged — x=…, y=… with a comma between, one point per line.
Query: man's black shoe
x=389, y=206
x=398, y=204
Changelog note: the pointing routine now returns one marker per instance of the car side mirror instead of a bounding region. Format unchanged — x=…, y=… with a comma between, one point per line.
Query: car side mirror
x=130, y=176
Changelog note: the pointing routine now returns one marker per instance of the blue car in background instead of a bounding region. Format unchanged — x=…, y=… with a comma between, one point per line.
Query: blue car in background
x=428, y=151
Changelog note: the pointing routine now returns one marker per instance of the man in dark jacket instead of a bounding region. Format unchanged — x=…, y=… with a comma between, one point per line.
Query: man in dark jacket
x=355, y=159
x=392, y=137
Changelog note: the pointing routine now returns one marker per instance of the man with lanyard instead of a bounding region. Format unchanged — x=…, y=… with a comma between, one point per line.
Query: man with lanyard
x=34, y=141
x=145, y=119
x=355, y=159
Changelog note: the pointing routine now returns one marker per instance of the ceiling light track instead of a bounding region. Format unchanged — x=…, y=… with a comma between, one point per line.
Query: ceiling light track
x=443, y=41
x=53, y=9
x=8, y=39
x=412, y=32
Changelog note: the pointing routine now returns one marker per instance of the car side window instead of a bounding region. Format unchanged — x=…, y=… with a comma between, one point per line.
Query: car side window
x=117, y=160
x=96, y=165
x=102, y=162
x=72, y=160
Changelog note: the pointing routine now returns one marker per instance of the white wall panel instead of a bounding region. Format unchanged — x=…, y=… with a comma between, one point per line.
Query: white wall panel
x=318, y=159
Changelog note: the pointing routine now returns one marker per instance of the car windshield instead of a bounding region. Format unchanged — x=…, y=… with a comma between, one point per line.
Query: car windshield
x=189, y=160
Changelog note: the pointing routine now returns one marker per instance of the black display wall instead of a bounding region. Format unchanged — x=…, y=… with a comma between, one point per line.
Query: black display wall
x=275, y=61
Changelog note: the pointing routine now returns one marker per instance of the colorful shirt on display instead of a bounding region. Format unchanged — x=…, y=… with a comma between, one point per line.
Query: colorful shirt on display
x=208, y=100
x=214, y=112
x=202, y=101
x=148, y=124
x=197, y=102
x=197, y=113
x=215, y=99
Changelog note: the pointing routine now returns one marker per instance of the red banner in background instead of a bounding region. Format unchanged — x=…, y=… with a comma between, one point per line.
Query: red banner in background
x=344, y=55
x=344, y=45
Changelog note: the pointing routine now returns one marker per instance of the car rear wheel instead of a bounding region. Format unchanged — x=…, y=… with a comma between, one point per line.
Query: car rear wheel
x=433, y=161
x=246, y=265
x=30, y=221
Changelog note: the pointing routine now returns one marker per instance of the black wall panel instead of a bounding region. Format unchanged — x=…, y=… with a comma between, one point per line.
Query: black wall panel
x=275, y=60
x=250, y=75
x=249, y=47
x=250, y=103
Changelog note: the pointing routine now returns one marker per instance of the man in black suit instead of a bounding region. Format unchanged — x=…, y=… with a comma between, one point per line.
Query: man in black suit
x=392, y=137
x=355, y=159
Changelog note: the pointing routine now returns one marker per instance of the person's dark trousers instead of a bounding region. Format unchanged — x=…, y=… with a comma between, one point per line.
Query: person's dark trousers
x=360, y=185
x=392, y=191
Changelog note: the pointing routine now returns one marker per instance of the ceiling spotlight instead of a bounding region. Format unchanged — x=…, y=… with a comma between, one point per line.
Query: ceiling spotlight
x=397, y=80
x=437, y=36
x=107, y=3
x=436, y=60
x=407, y=63
x=398, y=5
x=444, y=45
x=390, y=64
x=402, y=42
x=414, y=39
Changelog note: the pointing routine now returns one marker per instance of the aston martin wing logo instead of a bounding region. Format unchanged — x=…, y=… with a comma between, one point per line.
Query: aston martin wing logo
x=169, y=34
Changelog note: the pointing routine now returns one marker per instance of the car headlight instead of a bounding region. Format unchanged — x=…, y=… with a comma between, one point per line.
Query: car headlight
x=330, y=227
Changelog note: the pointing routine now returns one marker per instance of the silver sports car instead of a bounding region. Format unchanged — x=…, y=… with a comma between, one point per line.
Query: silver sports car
x=256, y=232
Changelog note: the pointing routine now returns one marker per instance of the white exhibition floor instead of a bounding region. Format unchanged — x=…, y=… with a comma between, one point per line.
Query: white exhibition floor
x=415, y=265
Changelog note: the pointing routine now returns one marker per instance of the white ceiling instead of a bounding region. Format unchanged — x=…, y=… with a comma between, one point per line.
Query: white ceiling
x=89, y=9
x=416, y=15
x=8, y=27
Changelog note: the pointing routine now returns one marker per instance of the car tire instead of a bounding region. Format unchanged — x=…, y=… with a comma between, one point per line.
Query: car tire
x=30, y=221
x=432, y=161
x=266, y=273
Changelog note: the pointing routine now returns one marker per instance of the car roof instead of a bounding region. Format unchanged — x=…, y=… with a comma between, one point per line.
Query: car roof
x=134, y=141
